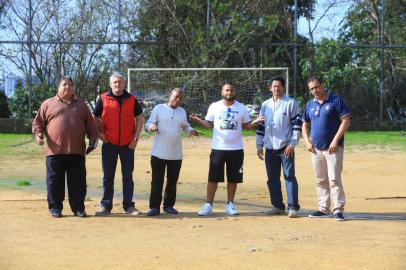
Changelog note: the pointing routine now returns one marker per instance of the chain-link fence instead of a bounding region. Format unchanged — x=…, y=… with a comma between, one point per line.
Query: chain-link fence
x=41, y=41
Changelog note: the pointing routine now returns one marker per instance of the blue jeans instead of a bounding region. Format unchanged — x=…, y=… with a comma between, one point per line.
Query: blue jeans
x=110, y=154
x=274, y=159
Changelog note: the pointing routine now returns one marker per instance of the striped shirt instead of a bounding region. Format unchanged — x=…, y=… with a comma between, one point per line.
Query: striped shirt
x=168, y=139
x=283, y=124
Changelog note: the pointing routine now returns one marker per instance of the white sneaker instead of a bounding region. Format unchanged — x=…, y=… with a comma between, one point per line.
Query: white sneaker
x=293, y=213
x=230, y=209
x=207, y=209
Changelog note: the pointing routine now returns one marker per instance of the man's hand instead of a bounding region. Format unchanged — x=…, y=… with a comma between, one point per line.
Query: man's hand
x=193, y=133
x=91, y=147
x=289, y=151
x=310, y=148
x=333, y=147
x=133, y=144
x=103, y=138
x=39, y=139
x=195, y=118
x=260, y=153
x=258, y=120
x=154, y=128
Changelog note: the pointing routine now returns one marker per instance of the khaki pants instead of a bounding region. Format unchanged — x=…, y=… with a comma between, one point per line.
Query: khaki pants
x=328, y=168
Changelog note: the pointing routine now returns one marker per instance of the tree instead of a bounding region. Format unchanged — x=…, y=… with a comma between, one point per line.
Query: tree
x=233, y=36
x=363, y=26
x=65, y=21
x=4, y=110
x=19, y=102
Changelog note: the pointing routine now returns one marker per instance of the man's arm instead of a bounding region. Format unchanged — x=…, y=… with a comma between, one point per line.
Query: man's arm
x=345, y=123
x=98, y=121
x=296, y=125
x=202, y=122
x=139, y=123
x=152, y=124
x=38, y=125
x=91, y=131
x=253, y=124
x=306, y=138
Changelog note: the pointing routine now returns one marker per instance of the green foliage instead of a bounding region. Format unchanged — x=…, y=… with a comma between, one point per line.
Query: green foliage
x=363, y=26
x=23, y=182
x=19, y=104
x=233, y=37
x=4, y=109
x=19, y=145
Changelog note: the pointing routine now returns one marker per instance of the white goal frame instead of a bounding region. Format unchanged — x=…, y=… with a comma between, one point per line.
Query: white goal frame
x=209, y=69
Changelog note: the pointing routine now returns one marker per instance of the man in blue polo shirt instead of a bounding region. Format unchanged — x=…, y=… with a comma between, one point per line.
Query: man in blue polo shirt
x=328, y=118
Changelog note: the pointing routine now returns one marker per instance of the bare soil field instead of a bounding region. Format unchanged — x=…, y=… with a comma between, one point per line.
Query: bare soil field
x=372, y=237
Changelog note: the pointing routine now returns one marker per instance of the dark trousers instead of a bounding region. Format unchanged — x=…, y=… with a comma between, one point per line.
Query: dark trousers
x=158, y=174
x=274, y=159
x=110, y=154
x=73, y=166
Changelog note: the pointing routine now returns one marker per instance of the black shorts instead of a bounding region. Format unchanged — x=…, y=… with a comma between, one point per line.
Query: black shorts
x=234, y=163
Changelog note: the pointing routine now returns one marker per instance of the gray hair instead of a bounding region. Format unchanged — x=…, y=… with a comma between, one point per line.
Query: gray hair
x=117, y=75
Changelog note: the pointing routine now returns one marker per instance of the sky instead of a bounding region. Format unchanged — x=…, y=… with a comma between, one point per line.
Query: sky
x=330, y=23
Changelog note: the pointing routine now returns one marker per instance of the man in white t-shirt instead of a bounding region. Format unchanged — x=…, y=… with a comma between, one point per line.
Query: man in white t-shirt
x=227, y=117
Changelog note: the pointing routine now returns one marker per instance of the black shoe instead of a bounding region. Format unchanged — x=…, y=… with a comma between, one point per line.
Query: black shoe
x=56, y=213
x=132, y=211
x=318, y=214
x=339, y=216
x=170, y=210
x=153, y=212
x=81, y=213
x=103, y=212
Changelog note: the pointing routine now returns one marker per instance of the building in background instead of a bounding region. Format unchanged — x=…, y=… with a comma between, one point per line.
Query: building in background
x=8, y=83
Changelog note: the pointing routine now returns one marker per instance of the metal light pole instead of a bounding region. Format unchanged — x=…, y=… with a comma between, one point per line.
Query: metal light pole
x=29, y=41
x=295, y=50
x=382, y=61
x=119, y=34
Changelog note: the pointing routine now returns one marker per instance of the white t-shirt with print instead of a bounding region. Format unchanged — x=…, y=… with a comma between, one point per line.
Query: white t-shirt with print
x=227, y=124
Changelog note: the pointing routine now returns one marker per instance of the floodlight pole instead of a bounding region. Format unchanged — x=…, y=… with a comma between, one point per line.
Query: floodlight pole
x=29, y=43
x=295, y=50
x=119, y=34
x=382, y=61
x=208, y=30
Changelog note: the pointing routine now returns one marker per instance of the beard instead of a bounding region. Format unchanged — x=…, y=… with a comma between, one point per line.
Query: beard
x=230, y=98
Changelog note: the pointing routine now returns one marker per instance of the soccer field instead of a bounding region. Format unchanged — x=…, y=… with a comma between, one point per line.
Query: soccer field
x=373, y=237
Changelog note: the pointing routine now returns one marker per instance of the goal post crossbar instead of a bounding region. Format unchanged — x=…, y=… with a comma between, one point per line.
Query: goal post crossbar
x=209, y=69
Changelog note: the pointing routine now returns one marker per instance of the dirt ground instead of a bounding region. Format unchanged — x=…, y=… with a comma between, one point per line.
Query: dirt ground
x=373, y=237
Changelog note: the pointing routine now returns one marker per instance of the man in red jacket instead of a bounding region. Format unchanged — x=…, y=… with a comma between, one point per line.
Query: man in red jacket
x=120, y=120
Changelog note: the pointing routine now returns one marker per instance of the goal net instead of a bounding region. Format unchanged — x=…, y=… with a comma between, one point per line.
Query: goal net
x=202, y=86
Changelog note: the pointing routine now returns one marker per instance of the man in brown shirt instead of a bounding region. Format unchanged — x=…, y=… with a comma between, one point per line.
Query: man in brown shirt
x=65, y=120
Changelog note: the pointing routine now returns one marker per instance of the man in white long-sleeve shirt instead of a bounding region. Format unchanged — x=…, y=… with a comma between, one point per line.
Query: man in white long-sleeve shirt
x=279, y=134
x=167, y=121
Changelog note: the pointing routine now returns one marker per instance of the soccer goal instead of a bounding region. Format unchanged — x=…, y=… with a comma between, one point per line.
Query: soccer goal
x=202, y=85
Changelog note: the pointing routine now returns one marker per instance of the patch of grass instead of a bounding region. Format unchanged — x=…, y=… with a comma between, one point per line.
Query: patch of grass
x=23, y=183
x=392, y=139
x=19, y=145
